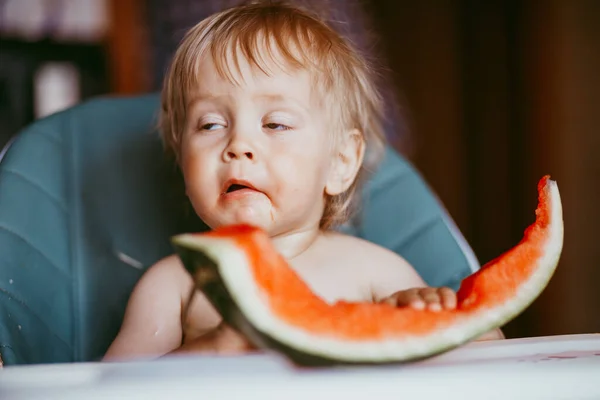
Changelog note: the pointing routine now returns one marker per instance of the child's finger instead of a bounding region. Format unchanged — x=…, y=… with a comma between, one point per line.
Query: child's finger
x=448, y=297
x=414, y=299
x=404, y=298
x=432, y=298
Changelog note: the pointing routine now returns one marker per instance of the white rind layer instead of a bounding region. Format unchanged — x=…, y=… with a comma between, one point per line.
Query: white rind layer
x=237, y=276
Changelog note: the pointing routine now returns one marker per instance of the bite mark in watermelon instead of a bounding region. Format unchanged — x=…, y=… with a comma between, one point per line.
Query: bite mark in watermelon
x=255, y=291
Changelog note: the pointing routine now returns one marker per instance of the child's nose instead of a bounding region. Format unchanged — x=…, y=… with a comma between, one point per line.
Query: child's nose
x=232, y=155
x=242, y=143
x=238, y=150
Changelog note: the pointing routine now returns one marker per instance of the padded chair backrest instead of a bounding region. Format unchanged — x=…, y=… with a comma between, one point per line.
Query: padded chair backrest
x=85, y=210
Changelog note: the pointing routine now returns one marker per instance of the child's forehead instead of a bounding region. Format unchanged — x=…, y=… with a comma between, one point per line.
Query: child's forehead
x=262, y=56
x=269, y=78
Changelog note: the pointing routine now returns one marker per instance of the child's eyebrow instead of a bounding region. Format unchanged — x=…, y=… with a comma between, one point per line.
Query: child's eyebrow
x=279, y=98
x=271, y=97
x=197, y=98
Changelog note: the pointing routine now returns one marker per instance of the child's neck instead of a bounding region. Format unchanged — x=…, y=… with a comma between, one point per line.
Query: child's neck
x=294, y=243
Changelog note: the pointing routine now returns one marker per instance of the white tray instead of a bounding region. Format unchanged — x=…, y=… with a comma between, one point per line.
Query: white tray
x=555, y=367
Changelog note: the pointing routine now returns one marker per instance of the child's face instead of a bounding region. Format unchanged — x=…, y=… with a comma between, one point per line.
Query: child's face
x=269, y=136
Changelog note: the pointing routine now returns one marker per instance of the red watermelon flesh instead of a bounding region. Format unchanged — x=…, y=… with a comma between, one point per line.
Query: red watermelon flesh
x=256, y=291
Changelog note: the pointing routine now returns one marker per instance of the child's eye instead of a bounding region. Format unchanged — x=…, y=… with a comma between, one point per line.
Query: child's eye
x=277, y=127
x=210, y=126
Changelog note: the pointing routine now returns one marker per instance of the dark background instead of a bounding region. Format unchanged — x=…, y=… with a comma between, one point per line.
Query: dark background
x=491, y=96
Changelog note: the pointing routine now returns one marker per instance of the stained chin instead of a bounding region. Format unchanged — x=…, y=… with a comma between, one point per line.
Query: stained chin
x=251, y=215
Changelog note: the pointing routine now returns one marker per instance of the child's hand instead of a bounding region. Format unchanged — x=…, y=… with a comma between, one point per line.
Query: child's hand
x=221, y=340
x=434, y=299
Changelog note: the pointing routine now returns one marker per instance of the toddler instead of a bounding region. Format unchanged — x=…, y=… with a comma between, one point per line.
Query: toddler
x=274, y=120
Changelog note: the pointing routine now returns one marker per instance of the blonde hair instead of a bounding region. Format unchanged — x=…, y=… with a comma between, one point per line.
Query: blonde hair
x=304, y=41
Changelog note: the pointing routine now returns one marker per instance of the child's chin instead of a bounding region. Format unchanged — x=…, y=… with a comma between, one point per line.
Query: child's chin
x=250, y=216
x=237, y=220
x=256, y=222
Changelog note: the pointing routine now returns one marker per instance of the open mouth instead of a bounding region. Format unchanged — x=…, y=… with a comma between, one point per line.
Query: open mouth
x=235, y=187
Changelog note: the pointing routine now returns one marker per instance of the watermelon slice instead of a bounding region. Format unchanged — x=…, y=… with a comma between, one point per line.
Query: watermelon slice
x=256, y=292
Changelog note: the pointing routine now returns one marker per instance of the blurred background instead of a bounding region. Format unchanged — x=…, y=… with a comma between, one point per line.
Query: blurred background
x=485, y=98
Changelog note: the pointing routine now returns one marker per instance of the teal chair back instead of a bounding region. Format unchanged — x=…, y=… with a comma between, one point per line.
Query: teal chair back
x=86, y=206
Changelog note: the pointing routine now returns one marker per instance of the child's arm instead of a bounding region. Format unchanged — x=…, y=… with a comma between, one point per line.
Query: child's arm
x=153, y=319
x=221, y=340
x=152, y=324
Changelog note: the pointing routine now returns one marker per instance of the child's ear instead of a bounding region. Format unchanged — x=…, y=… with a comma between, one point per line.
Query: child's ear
x=346, y=162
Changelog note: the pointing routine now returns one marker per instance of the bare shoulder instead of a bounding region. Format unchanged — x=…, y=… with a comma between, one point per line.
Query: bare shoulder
x=152, y=324
x=168, y=271
x=355, y=248
x=386, y=271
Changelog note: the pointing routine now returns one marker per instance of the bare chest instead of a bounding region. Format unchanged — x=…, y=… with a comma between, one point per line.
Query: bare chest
x=335, y=282
x=332, y=281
